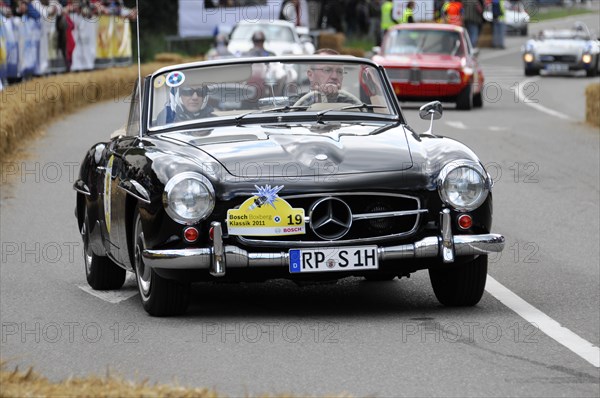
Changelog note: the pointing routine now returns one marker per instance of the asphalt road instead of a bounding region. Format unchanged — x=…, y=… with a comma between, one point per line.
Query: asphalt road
x=380, y=339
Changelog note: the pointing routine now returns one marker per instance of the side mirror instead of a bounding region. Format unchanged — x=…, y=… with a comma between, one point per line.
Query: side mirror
x=376, y=50
x=476, y=52
x=433, y=111
x=430, y=110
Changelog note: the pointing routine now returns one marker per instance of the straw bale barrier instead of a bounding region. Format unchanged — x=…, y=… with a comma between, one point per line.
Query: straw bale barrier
x=592, y=104
x=335, y=41
x=17, y=383
x=357, y=52
x=30, y=384
x=28, y=106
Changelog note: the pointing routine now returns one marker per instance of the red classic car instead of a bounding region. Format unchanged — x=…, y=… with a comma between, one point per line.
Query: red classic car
x=430, y=61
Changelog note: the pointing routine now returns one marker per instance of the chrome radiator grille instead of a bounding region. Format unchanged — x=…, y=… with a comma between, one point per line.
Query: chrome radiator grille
x=349, y=218
x=417, y=75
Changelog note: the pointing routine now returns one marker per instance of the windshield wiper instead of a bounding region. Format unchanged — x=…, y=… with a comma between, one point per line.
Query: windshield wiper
x=279, y=109
x=357, y=106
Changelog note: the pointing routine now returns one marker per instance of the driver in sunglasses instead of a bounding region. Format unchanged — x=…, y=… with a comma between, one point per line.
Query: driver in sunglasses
x=194, y=103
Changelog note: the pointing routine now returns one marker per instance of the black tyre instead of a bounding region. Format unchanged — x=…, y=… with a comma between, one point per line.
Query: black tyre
x=160, y=296
x=593, y=71
x=101, y=272
x=460, y=286
x=531, y=72
x=524, y=31
x=477, y=100
x=465, y=98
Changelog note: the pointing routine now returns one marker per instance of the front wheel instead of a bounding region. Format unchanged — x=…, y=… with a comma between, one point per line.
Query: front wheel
x=531, y=72
x=101, y=272
x=593, y=71
x=477, y=100
x=160, y=296
x=460, y=286
x=465, y=98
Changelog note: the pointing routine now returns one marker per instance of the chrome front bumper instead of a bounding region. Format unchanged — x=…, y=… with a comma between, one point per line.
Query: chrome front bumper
x=219, y=257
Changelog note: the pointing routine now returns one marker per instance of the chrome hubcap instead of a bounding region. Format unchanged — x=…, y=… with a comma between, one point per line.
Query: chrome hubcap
x=144, y=275
x=87, y=252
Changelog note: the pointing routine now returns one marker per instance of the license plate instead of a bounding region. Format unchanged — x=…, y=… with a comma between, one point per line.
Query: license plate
x=348, y=258
x=557, y=68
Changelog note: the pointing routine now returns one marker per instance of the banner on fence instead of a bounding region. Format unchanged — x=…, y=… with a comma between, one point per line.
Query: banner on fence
x=38, y=47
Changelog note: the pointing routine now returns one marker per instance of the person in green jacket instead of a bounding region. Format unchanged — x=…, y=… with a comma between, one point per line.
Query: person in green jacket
x=387, y=16
x=407, y=15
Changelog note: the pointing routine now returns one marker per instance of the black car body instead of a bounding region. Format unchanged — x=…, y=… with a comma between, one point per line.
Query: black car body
x=262, y=186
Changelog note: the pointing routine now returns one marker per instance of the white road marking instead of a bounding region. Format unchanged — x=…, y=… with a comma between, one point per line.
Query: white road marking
x=523, y=98
x=456, y=124
x=497, y=128
x=111, y=296
x=549, y=326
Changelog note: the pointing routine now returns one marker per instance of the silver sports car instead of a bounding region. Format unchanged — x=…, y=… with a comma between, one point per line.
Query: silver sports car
x=562, y=50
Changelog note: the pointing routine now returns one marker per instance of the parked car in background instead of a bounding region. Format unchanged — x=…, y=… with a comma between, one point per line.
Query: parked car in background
x=516, y=17
x=282, y=38
x=562, y=51
x=323, y=182
x=428, y=61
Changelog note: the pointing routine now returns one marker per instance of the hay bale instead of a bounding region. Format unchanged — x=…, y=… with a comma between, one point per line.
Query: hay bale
x=168, y=57
x=485, y=36
x=357, y=52
x=334, y=41
x=592, y=104
x=28, y=106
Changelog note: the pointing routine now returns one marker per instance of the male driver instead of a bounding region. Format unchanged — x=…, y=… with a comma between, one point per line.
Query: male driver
x=326, y=80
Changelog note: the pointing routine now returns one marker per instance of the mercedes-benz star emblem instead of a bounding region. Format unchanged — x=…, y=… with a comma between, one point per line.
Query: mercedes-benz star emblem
x=330, y=218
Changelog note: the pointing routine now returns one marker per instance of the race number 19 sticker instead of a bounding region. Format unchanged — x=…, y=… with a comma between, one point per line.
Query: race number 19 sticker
x=266, y=214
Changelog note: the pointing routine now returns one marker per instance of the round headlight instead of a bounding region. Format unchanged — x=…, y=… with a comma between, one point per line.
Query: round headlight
x=188, y=198
x=463, y=186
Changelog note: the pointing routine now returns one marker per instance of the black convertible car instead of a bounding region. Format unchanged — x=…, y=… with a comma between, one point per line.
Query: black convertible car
x=280, y=167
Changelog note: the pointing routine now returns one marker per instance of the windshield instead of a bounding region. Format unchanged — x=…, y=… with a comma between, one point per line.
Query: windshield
x=406, y=41
x=272, y=32
x=564, y=34
x=235, y=92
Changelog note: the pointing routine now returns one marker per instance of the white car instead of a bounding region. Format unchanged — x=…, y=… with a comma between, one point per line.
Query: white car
x=562, y=51
x=515, y=17
x=282, y=38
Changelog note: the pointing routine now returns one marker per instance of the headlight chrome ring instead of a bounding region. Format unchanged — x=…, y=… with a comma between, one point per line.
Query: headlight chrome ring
x=188, y=198
x=464, y=185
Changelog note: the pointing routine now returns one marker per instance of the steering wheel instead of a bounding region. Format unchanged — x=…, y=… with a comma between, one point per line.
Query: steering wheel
x=343, y=96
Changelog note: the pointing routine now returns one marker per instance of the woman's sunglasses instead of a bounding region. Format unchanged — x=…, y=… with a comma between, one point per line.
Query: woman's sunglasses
x=188, y=91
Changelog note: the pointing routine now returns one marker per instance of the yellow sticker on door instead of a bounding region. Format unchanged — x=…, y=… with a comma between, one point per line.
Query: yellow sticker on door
x=266, y=214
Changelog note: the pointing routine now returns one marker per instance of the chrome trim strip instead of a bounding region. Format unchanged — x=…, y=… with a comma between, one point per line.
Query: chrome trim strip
x=361, y=193
x=218, y=258
x=429, y=247
x=82, y=188
x=136, y=190
x=368, y=216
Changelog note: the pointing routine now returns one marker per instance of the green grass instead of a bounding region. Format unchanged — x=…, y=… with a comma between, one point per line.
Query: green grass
x=541, y=14
x=364, y=43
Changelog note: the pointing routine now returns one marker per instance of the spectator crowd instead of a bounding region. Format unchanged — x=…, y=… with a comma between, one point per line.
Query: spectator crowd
x=39, y=37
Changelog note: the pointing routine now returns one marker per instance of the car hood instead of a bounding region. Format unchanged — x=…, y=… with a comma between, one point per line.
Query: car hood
x=560, y=47
x=418, y=60
x=302, y=149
